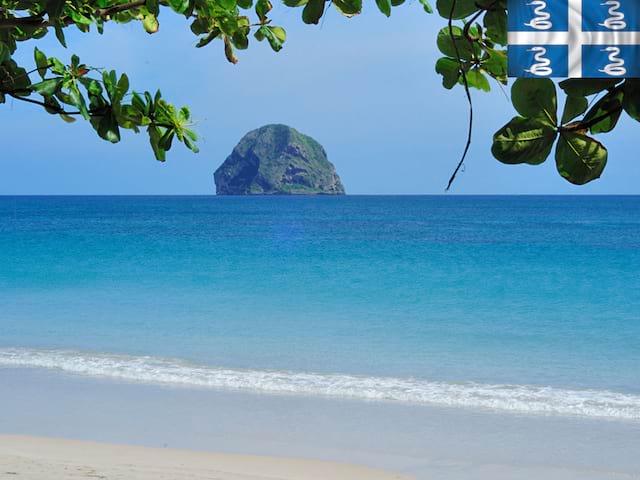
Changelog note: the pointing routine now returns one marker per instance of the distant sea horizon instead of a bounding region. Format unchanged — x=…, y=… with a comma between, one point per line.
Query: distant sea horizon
x=213, y=194
x=508, y=303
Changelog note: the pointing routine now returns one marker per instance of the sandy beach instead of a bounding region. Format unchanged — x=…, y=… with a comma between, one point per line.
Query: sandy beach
x=36, y=458
x=262, y=434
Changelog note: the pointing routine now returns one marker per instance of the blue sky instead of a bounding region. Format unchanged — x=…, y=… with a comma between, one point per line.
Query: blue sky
x=364, y=87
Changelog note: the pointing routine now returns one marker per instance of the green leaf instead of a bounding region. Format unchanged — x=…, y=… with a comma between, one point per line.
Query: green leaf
x=476, y=79
x=47, y=87
x=107, y=127
x=183, y=114
x=200, y=26
x=450, y=71
x=573, y=107
x=167, y=138
x=580, y=158
x=631, y=102
x=463, y=8
x=535, y=98
x=57, y=66
x=129, y=117
x=245, y=4
x=609, y=108
x=41, y=62
x=179, y=6
x=215, y=33
x=54, y=8
x=78, y=100
x=13, y=77
x=60, y=36
x=154, y=8
x=584, y=87
x=52, y=106
x=495, y=64
x=109, y=80
x=150, y=23
x=67, y=118
x=5, y=53
x=274, y=35
x=188, y=141
x=228, y=51
x=384, y=6
x=92, y=86
x=467, y=49
x=81, y=21
x=138, y=103
x=523, y=140
x=154, y=140
x=240, y=40
x=121, y=88
x=348, y=8
x=227, y=5
x=312, y=12
x=495, y=24
x=427, y=6
x=63, y=97
x=263, y=7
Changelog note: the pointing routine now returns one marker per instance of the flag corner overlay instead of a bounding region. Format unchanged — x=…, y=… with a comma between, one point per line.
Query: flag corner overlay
x=574, y=38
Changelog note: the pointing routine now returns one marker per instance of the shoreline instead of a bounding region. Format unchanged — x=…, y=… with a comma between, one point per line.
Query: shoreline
x=426, y=443
x=32, y=458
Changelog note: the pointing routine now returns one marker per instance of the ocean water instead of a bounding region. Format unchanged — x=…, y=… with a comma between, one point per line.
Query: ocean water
x=527, y=305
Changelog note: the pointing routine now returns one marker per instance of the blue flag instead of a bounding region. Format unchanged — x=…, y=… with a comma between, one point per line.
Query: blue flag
x=574, y=38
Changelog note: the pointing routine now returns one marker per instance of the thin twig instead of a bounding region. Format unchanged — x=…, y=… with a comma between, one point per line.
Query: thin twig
x=468, y=94
x=58, y=110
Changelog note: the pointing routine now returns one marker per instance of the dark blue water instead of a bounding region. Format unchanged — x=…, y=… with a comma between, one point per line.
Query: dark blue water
x=516, y=290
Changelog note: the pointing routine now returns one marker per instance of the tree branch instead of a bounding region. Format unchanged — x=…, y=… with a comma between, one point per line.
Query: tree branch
x=58, y=110
x=105, y=12
x=582, y=125
x=40, y=22
x=19, y=22
x=61, y=111
x=594, y=121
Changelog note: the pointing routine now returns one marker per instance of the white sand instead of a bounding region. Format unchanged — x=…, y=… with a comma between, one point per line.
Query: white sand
x=37, y=458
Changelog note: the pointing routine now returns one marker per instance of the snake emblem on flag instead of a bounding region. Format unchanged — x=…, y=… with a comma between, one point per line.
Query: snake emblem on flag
x=574, y=38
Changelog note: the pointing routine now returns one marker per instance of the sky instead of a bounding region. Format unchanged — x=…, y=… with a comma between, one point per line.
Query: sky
x=364, y=87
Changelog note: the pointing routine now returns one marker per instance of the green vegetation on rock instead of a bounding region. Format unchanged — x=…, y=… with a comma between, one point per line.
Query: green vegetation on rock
x=277, y=160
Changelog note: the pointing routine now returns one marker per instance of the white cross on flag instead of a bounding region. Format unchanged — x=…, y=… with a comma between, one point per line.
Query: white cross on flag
x=574, y=38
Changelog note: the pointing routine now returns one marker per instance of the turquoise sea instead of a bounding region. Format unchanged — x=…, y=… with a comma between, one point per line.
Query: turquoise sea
x=527, y=305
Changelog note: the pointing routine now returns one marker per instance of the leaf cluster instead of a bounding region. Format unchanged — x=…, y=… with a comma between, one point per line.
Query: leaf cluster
x=474, y=47
x=103, y=98
x=473, y=54
x=580, y=158
x=100, y=97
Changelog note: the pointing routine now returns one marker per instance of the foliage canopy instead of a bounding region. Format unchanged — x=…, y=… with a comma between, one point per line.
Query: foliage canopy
x=472, y=43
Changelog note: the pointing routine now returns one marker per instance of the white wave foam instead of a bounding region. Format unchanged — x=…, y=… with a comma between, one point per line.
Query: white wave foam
x=510, y=398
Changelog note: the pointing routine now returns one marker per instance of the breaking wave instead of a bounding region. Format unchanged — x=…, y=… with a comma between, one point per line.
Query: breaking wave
x=523, y=399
